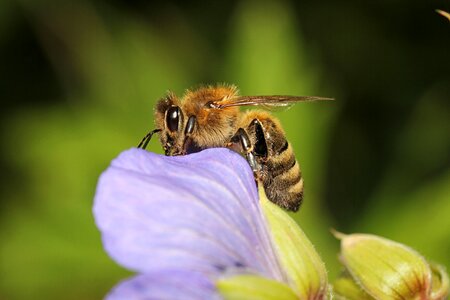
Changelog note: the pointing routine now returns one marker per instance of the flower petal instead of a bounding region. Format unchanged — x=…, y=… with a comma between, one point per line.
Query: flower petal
x=168, y=285
x=197, y=212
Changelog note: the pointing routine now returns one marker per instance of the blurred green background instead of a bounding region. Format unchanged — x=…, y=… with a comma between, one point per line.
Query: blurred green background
x=78, y=83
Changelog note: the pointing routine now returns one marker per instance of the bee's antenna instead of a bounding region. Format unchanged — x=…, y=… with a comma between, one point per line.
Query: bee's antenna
x=143, y=144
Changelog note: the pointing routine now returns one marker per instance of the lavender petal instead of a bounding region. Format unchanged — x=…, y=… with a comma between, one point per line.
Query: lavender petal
x=168, y=285
x=197, y=213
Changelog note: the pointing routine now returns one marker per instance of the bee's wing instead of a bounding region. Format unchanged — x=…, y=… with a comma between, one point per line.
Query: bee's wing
x=266, y=101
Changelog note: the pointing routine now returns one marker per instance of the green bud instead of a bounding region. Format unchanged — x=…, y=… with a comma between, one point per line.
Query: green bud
x=249, y=287
x=306, y=272
x=386, y=269
x=345, y=288
x=443, y=13
x=440, y=283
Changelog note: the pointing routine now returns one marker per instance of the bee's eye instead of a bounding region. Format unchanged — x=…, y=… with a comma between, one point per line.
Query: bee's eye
x=172, y=118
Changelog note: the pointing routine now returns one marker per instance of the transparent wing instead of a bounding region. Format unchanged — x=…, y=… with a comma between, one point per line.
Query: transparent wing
x=265, y=101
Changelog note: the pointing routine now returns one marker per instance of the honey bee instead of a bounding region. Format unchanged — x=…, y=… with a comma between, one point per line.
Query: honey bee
x=209, y=117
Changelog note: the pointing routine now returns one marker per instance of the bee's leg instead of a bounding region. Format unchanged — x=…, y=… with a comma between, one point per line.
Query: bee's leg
x=241, y=138
x=190, y=126
x=143, y=144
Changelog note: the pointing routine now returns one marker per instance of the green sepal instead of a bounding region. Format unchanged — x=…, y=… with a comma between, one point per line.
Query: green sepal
x=345, y=288
x=305, y=270
x=253, y=287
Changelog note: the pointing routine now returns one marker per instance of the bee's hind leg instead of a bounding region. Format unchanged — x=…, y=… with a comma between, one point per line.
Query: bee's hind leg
x=240, y=142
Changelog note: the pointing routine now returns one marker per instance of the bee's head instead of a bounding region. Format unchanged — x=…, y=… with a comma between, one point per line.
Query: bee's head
x=170, y=118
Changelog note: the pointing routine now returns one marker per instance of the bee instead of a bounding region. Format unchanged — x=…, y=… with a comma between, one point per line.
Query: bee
x=209, y=117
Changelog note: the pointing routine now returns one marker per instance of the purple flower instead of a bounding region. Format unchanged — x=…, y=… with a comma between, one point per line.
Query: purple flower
x=183, y=223
x=194, y=227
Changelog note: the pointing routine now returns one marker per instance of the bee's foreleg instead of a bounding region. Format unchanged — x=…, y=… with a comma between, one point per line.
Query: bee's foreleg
x=189, y=129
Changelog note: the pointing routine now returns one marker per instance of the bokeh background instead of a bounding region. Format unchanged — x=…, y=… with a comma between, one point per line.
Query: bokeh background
x=78, y=81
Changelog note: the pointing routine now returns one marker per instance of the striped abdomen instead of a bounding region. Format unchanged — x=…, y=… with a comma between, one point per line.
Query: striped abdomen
x=280, y=172
x=283, y=180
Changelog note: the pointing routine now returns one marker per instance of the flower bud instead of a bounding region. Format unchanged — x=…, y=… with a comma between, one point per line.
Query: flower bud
x=443, y=13
x=386, y=269
x=305, y=270
x=440, y=283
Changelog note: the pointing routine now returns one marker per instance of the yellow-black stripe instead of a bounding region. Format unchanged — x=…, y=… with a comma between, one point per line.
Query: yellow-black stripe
x=284, y=182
